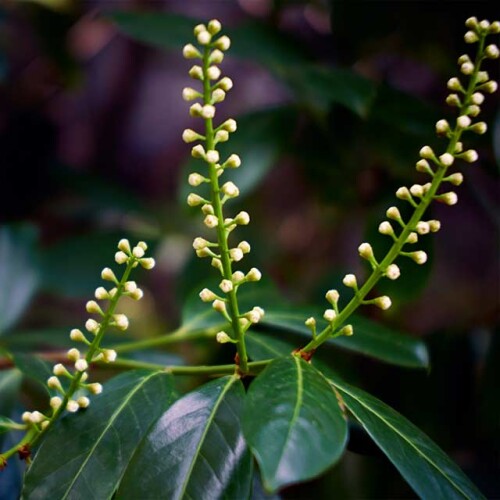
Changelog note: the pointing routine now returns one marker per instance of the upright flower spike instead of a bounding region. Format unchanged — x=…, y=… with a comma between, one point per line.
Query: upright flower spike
x=467, y=95
x=209, y=51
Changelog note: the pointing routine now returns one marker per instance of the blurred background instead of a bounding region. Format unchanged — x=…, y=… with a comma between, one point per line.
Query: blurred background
x=333, y=101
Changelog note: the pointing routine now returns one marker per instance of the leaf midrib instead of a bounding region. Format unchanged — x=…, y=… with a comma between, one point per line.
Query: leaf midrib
x=114, y=416
x=410, y=443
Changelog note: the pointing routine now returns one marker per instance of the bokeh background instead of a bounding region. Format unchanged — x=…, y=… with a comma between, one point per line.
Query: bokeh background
x=333, y=100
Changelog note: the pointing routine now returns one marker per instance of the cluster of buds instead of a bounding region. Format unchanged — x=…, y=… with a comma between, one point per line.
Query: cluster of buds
x=78, y=376
x=210, y=50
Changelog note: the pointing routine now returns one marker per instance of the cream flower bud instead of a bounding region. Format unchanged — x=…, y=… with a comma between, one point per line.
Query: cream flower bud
x=72, y=406
x=214, y=26
x=348, y=330
x=222, y=338
x=237, y=277
x=383, y=302
x=454, y=84
x=350, y=281
x=310, y=322
x=93, y=307
x=92, y=325
x=459, y=146
x=55, y=402
x=130, y=286
x=217, y=264
x=223, y=43
x=218, y=95
x=385, y=228
x=236, y=254
x=221, y=136
x=207, y=295
x=420, y=257
x=463, y=121
x=196, y=72
x=467, y=68
x=124, y=245
x=37, y=417
x=393, y=212
x=81, y=365
x=219, y=305
x=208, y=111
x=84, y=377
x=472, y=110
x=77, y=335
x=120, y=321
x=365, y=250
x=59, y=370
x=121, y=257
x=464, y=58
x=109, y=355
x=108, y=275
x=216, y=57
x=230, y=189
x=412, y=238
x=204, y=37
x=479, y=128
x=211, y=221
x=392, y=272
x=434, y=225
x=193, y=200
x=213, y=72
x=494, y=27
x=424, y=167
x=73, y=354
x=477, y=98
x=403, y=193
x=470, y=156
x=484, y=24
x=198, y=151
x=54, y=383
x=203, y=252
x=254, y=274
x=453, y=100
x=200, y=243
x=95, y=388
x=427, y=153
x=417, y=190
x=199, y=28
x=101, y=293
x=490, y=87
x=226, y=286
x=83, y=402
x=446, y=159
x=482, y=76
x=225, y=84
x=422, y=227
x=242, y=218
x=253, y=316
x=329, y=315
x=470, y=37
x=189, y=94
x=230, y=125
x=147, y=263
x=332, y=296
x=455, y=179
x=450, y=198
x=442, y=127
x=190, y=52
x=143, y=245
x=190, y=135
x=137, y=294
x=207, y=209
x=233, y=161
x=244, y=246
x=471, y=22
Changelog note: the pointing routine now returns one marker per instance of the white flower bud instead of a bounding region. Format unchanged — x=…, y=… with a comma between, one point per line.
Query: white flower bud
x=147, y=263
x=463, y=121
x=223, y=43
x=207, y=209
x=236, y=254
x=226, y=286
x=120, y=321
x=121, y=257
x=470, y=37
x=348, y=330
x=213, y=73
x=26, y=417
x=453, y=100
x=55, y=402
x=434, y=225
x=242, y=219
x=137, y=294
x=214, y=26
x=446, y=159
x=193, y=200
x=216, y=57
x=199, y=28
x=427, y=153
x=92, y=325
x=490, y=87
x=95, y=388
x=420, y=257
x=189, y=94
x=124, y=245
x=208, y=111
x=190, y=135
x=442, y=127
x=59, y=370
x=109, y=355
x=218, y=95
x=222, y=338
x=72, y=406
x=403, y=193
x=482, y=76
x=196, y=72
x=412, y=238
x=244, y=246
x=73, y=354
x=101, y=293
x=477, y=98
x=37, y=417
x=130, y=286
x=83, y=402
x=207, y=295
x=470, y=156
x=385, y=228
x=93, y=307
x=494, y=27
x=479, y=128
x=233, y=161
x=225, y=84
x=190, y=51
x=484, y=24
x=77, y=335
x=467, y=68
x=455, y=179
x=422, y=227
x=204, y=37
x=492, y=51
x=211, y=221
x=454, y=84
x=417, y=190
x=383, y=302
x=450, y=198
x=108, y=275
x=254, y=274
x=392, y=272
x=393, y=212
x=365, y=250
x=350, y=281
x=54, y=383
x=332, y=296
x=219, y=306
x=230, y=125
x=471, y=22
x=217, y=264
x=230, y=189
x=310, y=322
x=238, y=277
x=221, y=136
x=138, y=252
x=329, y=315
x=253, y=316
x=200, y=243
x=81, y=365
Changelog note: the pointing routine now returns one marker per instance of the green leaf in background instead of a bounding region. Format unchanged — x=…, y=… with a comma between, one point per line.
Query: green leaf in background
x=261, y=347
x=195, y=450
x=293, y=423
x=30, y=340
x=37, y=369
x=428, y=470
x=19, y=274
x=85, y=455
x=10, y=381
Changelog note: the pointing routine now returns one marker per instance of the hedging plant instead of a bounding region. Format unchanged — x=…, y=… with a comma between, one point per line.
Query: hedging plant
x=139, y=439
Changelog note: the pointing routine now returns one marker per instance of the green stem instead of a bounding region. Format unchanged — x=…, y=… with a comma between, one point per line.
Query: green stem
x=222, y=232
x=400, y=241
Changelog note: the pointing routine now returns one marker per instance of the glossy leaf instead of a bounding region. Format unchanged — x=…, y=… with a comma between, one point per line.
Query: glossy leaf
x=195, y=450
x=19, y=276
x=37, y=369
x=85, y=455
x=293, y=423
x=428, y=470
x=261, y=346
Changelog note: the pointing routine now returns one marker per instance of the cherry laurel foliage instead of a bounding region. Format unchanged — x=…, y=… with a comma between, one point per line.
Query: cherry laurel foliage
x=140, y=439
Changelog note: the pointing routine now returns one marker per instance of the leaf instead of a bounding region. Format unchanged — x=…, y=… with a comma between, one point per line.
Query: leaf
x=428, y=470
x=261, y=347
x=10, y=381
x=37, y=369
x=293, y=423
x=85, y=455
x=19, y=276
x=196, y=449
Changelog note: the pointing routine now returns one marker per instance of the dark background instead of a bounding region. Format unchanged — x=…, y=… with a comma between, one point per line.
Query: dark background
x=90, y=150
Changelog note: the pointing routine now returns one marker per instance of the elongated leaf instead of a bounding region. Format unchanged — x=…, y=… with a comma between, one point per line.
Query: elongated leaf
x=10, y=381
x=428, y=470
x=261, y=346
x=196, y=449
x=19, y=276
x=293, y=423
x=85, y=455
x=35, y=368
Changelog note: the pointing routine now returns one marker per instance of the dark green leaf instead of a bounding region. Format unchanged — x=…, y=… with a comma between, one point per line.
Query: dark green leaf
x=293, y=423
x=85, y=455
x=196, y=449
x=35, y=368
x=30, y=340
x=428, y=470
x=261, y=347
x=10, y=381
x=19, y=276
